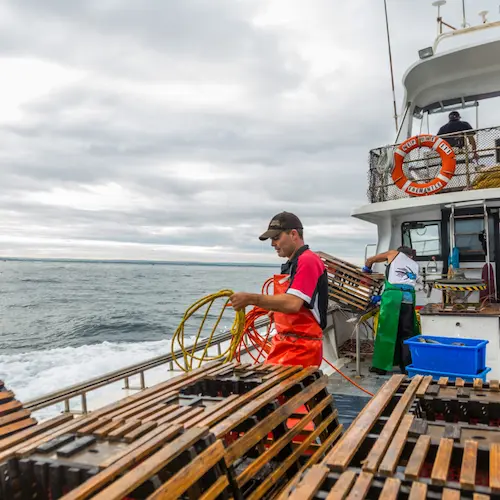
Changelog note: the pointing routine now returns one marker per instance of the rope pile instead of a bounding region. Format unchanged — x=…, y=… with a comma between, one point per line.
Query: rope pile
x=488, y=179
x=245, y=336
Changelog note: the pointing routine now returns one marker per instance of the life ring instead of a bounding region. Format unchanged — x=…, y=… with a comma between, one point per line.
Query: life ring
x=445, y=173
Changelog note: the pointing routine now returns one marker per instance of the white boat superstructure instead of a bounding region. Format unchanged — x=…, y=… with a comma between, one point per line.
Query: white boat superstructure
x=456, y=232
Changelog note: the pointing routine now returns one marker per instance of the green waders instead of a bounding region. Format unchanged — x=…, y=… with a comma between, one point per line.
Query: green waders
x=387, y=328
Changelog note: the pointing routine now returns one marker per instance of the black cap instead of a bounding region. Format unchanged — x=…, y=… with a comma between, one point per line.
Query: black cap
x=454, y=115
x=281, y=222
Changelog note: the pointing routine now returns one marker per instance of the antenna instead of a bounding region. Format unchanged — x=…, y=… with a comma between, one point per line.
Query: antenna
x=391, y=66
x=439, y=4
x=464, y=22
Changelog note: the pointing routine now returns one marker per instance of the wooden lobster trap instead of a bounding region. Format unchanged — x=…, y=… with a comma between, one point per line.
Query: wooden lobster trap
x=221, y=431
x=349, y=285
x=391, y=453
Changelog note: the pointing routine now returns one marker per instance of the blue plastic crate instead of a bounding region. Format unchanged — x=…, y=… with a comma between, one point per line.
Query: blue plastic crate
x=412, y=371
x=445, y=357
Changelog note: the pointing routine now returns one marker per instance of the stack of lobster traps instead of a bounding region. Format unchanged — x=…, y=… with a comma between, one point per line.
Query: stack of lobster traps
x=348, y=285
x=13, y=417
x=220, y=431
x=416, y=439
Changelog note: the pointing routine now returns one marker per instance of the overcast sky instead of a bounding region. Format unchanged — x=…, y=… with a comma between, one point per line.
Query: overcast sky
x=175, y=129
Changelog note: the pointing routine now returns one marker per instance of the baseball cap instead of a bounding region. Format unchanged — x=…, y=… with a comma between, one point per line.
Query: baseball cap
x=283, y=221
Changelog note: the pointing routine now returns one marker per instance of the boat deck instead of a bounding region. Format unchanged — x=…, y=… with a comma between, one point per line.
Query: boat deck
x=350, y=400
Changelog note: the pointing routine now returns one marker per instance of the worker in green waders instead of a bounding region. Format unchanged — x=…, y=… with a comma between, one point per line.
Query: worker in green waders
x=397, y=317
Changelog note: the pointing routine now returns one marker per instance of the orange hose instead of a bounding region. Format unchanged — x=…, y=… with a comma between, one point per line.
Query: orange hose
x=258, y=341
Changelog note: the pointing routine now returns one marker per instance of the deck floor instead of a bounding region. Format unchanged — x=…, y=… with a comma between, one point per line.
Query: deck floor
x=350, y=400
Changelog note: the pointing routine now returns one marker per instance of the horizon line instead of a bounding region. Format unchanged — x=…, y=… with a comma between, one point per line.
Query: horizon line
x=136, y=261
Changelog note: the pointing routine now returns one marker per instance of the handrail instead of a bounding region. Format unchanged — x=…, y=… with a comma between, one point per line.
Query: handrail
x=81, y=389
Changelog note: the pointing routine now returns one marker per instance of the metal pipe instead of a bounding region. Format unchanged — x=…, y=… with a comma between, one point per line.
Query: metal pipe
x=126, y=383
x=143, y=383
x=67, y=408
x=84, y=403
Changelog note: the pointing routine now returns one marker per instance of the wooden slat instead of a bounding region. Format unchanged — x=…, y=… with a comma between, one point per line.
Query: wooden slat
x=148, y=468
x=378, y=450
x=441, y=466
x=449, y=494
x=495, y=467
x=150, y=436
x=104, y=477
x=149, y=411
x=459, y=382
x=417, y=457
x=90, y=428
x=422, y=388
x=342, y=487
x=391, y=458
x=21, y=437
x=278, y=445
x=140, y=431
x=166, y=410
x=210, y=411
x=443, y=381
x=342, y=453
x=478, y=384
x=14, y=417
x=494, y=385
x=189, y=474
x=418, y=491
x=243, y=400
x=9, y=429
x=479, y=496
x=391, y=489
x=5, y=396
x=310, y=483
x=237, y=417
x=106, y=429
x=9, y=407
x=216, y=489
x=174, y=413
x=261, y=430
x=124, y=429
x=140, y=406
x=276, y=475
x=196, y=411
x=361, y=486
x=469, y=463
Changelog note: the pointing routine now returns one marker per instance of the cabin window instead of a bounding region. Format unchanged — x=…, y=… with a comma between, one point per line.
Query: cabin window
x=423, y=237
x=470, y=237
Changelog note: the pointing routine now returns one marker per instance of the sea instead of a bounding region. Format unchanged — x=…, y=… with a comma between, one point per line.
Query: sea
x=65, y=322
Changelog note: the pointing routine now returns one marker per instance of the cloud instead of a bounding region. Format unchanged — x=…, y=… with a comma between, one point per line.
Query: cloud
x=145, y=129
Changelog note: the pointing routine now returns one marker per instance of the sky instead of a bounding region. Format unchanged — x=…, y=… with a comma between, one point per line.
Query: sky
x=175, y=129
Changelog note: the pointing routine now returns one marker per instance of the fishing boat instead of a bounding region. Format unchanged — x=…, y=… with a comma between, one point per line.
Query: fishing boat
x=448, y=212
x=450, y=218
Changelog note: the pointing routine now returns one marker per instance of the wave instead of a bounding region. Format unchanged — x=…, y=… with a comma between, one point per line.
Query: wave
x=40, y=280
x=33, y=374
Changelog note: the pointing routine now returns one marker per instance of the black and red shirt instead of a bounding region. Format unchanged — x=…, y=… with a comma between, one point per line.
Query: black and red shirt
x=309, y=281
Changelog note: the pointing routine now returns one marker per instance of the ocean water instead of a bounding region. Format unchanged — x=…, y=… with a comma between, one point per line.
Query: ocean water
x=64, y=322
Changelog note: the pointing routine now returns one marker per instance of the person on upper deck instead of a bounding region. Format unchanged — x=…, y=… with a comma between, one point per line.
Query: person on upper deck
x=397, y=319
x=300, y=300
x=454, y=126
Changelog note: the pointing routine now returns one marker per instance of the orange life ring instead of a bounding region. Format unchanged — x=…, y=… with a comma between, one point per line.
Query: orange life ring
x=445, y=173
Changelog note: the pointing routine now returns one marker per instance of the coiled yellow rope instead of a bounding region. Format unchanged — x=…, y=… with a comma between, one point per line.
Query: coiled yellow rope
x=189, y=354
x=488, y=179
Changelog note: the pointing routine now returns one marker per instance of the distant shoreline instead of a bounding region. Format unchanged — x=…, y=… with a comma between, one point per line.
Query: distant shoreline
x=141, y=262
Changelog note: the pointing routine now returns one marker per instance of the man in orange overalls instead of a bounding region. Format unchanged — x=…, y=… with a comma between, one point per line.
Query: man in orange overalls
x=300, y=299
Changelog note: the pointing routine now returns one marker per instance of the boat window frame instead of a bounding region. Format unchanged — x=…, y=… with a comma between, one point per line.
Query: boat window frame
x=425, y=258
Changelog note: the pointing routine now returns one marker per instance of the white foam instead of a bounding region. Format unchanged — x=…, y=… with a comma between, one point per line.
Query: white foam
x=34, y=374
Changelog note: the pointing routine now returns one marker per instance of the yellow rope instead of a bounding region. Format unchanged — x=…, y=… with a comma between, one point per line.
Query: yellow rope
x=488, y=179
x=189, y=352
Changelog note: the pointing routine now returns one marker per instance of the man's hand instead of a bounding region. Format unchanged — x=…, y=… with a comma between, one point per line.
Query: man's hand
x=475, y=156
x=240, y=300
